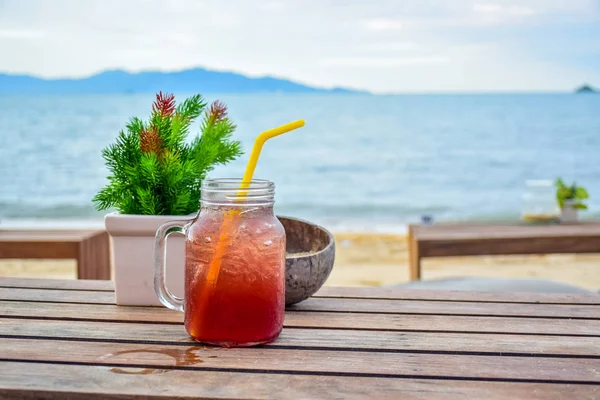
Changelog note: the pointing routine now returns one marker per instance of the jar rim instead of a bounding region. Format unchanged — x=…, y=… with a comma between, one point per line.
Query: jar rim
x=236, y=183
x=234, y=192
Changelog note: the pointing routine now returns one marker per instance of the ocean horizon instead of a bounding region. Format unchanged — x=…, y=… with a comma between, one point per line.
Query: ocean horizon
x=362, y=163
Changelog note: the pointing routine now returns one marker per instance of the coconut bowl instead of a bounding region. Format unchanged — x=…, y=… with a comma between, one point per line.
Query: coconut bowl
x=309, y=260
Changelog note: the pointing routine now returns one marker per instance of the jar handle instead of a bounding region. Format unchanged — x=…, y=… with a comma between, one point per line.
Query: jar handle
x=167, y=298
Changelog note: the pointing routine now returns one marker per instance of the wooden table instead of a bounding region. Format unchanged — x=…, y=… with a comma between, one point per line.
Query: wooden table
x=67, y=339
x=91, y=248
x=446, y=240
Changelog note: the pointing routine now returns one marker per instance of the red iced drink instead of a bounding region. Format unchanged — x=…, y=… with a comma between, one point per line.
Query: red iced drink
x=234, y=267
x=244, y=305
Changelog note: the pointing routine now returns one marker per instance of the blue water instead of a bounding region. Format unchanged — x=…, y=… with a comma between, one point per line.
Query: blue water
x=361, y=162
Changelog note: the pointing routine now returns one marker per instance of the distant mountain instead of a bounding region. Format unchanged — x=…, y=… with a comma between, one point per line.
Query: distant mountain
x=586, y=89
x=191, y=80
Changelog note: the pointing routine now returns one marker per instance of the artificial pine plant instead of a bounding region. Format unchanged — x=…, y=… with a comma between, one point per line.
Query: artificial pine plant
x=154, y=170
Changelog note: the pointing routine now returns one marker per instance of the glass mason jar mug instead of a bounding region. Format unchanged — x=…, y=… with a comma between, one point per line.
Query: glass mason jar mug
x=234, y=265
x=539, y=202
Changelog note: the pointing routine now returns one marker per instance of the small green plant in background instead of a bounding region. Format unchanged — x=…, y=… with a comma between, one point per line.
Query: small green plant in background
x=154, y=169
x=572, y=192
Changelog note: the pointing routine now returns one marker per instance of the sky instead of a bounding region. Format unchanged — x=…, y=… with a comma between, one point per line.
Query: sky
x=384, y=46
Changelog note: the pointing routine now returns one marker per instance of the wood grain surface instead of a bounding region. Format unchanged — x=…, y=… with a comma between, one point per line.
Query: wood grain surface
x=67, y=339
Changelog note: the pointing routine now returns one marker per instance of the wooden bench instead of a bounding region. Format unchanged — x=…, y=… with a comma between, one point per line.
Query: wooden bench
x=446, y=240
x=90, y=248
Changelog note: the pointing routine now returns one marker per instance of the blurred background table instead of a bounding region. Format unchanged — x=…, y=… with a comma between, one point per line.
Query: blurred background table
x=90, y=248
x=446, y=240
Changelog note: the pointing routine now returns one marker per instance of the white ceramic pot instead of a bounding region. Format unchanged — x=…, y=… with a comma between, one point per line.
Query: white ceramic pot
x=132, y=238
x=568, y=212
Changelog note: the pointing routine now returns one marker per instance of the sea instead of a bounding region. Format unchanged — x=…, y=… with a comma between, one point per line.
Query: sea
x=362, y=163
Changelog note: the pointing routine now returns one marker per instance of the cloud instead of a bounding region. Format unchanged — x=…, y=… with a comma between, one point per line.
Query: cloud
x=382, y=24
x=393, y=46
x=498, y=9
x=500, y=14
x=385, y=62
x=21, y=34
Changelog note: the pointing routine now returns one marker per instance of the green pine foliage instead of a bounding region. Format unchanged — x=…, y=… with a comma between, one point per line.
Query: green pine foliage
x=154, y=170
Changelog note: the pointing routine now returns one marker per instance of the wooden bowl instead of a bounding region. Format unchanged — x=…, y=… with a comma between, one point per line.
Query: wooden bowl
x=309, y=260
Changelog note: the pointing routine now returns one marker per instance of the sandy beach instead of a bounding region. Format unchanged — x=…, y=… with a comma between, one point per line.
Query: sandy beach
x=382, y=259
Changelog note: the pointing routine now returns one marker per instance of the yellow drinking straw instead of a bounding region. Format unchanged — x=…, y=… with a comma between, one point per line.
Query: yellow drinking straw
x=224, y=238
x=258, y=145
